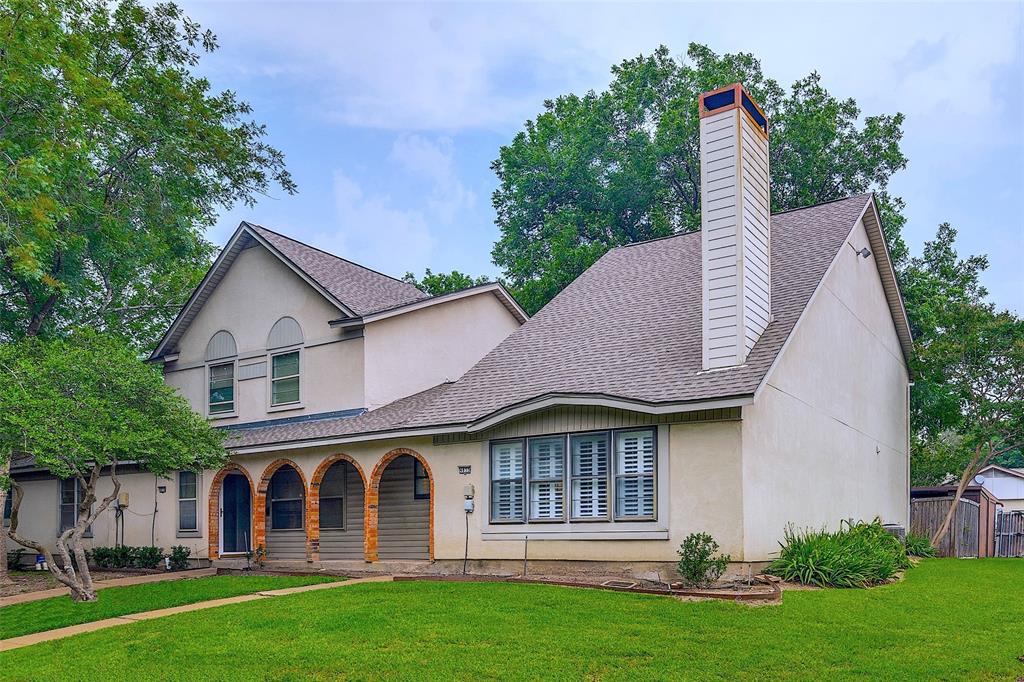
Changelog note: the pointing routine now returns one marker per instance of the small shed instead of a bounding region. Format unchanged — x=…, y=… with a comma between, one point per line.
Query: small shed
x=973, y=534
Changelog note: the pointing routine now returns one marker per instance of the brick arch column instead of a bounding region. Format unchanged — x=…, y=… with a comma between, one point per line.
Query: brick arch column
x=259, y=506
x=372, y=500
x=213, y=507
x=313, y=500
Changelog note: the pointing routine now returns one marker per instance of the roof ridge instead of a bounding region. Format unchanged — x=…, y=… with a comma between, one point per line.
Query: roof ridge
x=824, y=203
x=332, y=255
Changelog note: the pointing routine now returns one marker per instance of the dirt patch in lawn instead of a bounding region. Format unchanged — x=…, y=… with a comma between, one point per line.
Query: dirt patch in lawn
x=34, y=581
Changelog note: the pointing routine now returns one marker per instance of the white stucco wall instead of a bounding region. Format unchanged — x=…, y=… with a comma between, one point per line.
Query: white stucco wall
x=256, y=292
x=409, y=353
x=826, y=439
x=38, y=517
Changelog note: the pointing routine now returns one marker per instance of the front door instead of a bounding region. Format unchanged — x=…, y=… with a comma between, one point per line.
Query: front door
x=235, y=515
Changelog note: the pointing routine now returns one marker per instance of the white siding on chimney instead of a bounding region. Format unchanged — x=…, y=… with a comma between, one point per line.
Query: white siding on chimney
x=735, y=218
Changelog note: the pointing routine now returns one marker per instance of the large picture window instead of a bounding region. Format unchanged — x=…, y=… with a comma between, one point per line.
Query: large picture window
x=578, y=477
x=284, y=381
x=188, y=502
x=222, y=388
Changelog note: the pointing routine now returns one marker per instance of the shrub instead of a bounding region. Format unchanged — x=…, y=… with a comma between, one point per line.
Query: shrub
x=857, y=555
x=147, y=557
x=919, y=545
x=179, y=557
x=126, y=557
x=698, y=566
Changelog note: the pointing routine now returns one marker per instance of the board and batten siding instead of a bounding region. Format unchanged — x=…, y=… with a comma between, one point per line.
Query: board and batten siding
x=579, y=418
x=347, y=543
x=403, y=522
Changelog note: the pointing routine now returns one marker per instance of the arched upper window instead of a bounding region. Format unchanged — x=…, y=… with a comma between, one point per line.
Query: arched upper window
x=286, y=366
x=220, y=353
x=285, y=332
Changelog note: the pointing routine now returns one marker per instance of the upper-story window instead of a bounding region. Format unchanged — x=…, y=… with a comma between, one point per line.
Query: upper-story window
x=221, y=354
x=284, y=343
x=579, y=477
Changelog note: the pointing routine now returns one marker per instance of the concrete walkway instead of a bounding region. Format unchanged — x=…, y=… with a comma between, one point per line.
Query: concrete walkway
x=61, y=633
x=113, y=582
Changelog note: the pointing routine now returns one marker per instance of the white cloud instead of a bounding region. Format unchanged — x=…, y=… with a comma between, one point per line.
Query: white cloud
x=434, y=161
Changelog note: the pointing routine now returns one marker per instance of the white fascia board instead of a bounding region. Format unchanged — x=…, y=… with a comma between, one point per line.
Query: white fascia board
x=494, y=288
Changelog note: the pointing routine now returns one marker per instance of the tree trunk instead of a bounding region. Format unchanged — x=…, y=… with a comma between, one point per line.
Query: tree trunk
x=976, y=463
x=5, y=577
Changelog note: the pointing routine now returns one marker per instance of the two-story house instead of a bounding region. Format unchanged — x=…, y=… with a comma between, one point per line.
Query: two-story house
x=730, y=381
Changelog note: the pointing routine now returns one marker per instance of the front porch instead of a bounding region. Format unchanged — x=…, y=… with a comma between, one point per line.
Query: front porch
x=339, y=519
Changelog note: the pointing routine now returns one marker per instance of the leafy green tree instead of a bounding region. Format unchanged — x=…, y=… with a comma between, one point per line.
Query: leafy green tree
x=603, y=169
x=80, y=406
x=443, y=282
x=114, y=158
x=967, y=405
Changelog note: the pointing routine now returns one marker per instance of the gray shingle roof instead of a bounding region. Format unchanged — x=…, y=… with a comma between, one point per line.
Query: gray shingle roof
x=629, y=328
x=361, y=289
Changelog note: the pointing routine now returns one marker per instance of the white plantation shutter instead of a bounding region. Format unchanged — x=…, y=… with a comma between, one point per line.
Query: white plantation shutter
x=507, y=481
x=547, y=478
x=634, y=474
x=590, y=476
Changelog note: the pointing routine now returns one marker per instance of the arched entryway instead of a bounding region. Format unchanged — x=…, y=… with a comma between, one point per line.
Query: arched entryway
x=336, y=497
x=230, y=512
x=400, y=509
x=281, y=507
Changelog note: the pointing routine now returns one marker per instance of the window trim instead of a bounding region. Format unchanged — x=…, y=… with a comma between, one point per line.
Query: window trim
x=490, y=481
x=343, y=497
x=270, y=504
x=198, y=530
x=60, y=504
x=233, y=412
x=416, y=466
x=608, y=476
x=609, y=524
x=295, y=404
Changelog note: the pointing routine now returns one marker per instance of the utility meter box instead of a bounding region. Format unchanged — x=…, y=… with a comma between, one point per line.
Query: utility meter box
x=468, y=491
x=122, y=499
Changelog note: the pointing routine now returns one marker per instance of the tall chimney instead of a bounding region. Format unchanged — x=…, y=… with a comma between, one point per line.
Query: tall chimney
x=735, y=222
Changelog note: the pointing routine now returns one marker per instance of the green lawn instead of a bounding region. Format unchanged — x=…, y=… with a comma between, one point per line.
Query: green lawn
x=58, y=612
x=956, y=620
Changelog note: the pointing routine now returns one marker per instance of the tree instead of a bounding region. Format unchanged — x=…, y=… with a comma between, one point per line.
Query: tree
x=967, y=406
x=595, y=171
x=115, y=158
x=80, y=407
x=443, y=282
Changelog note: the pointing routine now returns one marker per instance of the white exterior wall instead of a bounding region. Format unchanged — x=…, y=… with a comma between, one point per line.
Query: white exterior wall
x=826, y=439
x=39, y=514
x=412, y=352
x=256, y=292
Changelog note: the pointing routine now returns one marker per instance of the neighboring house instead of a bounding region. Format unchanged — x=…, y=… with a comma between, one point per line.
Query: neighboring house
x=1005, y=483
x=730, y=381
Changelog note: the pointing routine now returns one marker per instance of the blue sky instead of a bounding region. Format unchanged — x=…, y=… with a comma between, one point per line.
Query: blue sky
x=390, y=115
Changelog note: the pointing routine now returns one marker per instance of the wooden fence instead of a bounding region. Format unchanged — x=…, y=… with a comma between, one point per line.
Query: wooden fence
x=1009, y=533
x=927, y=514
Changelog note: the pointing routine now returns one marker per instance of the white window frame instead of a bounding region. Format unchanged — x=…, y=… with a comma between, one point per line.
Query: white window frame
x=60, y=505
x=488, y=448
x=530, y=480
x=613, y=496
x=233, y=412
x=296, y=404
x=188, y=532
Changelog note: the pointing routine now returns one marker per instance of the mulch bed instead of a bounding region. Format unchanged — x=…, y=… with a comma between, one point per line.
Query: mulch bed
x=34, y=581
x=738, y=591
